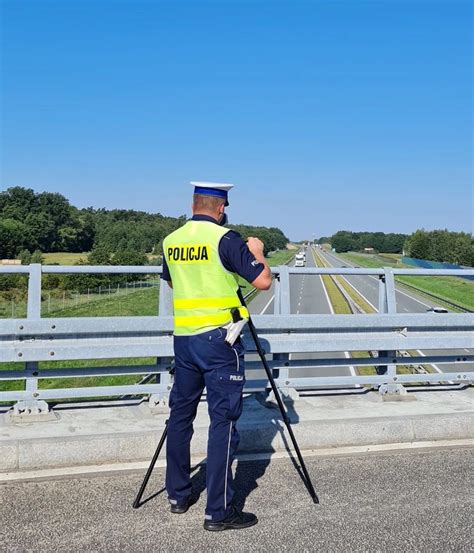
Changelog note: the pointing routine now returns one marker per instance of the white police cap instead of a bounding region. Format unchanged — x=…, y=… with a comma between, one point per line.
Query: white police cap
x=218, y=189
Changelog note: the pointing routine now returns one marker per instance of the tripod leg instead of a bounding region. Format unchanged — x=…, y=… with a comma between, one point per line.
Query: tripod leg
x=138, y=499
x=268, y=371
x=261, y=353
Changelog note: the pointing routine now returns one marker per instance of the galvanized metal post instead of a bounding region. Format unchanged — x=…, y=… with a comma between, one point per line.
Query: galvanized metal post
x=383, y=308
x=277, y=294
x=34, y=292
x=31, y=405
x=165, y=300
x=382, y=295
x=390, y=290
x=165, y=309
x=284, y=308
x=390, y=304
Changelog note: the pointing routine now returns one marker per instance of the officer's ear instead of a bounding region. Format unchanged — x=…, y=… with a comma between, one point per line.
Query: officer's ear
x=222, y=215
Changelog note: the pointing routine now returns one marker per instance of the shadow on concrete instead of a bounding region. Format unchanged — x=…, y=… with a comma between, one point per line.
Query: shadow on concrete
x=247, y=473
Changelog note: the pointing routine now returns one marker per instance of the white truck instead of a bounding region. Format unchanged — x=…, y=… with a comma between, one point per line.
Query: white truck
x=300, y=259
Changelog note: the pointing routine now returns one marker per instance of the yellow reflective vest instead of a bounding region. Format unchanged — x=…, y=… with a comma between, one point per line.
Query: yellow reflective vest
x=204, y=291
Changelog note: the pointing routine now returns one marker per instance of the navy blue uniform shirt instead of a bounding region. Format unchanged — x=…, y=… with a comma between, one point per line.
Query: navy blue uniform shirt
x=234, y=253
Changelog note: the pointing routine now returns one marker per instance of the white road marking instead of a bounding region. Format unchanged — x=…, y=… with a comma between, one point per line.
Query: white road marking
x=398, y=291
x=326, y=294
x=435, y=367
x=267, y=305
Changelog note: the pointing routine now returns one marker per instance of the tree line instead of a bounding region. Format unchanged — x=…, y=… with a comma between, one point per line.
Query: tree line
x=441, y=245
x=35, y=223
x=435, y=245
x=47, y=222
x=345, y=241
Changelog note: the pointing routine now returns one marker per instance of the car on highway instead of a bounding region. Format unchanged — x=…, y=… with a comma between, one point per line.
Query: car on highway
x=436, y=309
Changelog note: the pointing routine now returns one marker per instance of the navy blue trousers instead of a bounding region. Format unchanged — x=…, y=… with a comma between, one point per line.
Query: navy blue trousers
x=205, y=360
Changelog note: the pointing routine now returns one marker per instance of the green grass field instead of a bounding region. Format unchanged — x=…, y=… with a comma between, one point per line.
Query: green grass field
x=280, y=257
x=134, y=303
x=63, y=258
x=457, y=290
x=365, y=260
x=67, y=258
x=392, y=257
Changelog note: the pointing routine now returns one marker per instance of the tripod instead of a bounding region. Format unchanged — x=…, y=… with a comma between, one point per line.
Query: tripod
x=307, y=480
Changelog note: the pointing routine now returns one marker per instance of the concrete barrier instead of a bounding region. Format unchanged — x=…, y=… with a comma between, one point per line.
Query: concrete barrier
x=125, y=434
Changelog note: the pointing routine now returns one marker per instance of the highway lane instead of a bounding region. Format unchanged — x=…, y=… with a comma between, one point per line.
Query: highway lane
x=367, y=286
x=264, y=302
x=307, y=296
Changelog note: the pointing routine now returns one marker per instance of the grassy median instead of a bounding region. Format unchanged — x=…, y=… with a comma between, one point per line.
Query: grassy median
x=336, y=298
x=355, y=296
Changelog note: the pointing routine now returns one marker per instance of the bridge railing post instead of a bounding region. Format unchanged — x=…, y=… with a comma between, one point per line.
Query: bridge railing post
x=31, y=405
x=388, y=304
x=283, y=307
x=277, y=294
x=165, y=309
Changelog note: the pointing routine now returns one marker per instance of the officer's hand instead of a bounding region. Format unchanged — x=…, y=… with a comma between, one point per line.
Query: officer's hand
x=255, y=246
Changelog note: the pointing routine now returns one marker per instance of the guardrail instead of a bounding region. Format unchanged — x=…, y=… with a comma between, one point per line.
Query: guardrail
x=35, y=339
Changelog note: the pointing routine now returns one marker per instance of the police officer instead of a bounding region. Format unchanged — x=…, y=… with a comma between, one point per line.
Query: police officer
x=202, y=261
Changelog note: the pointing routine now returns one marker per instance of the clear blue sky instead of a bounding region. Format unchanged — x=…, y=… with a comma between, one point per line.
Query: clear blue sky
x=328, y=115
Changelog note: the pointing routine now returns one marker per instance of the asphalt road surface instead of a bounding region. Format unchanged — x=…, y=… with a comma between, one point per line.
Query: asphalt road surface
x=417, y=501
x=407, y=302
x=307, y=295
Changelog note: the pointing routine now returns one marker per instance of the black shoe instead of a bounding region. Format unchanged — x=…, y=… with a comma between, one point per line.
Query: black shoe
x=181, y=509
x=235, y=521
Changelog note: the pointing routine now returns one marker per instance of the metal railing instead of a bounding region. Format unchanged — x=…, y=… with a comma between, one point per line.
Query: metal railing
x=34, y=339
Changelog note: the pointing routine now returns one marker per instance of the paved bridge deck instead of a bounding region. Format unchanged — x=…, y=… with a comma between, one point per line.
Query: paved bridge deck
x=397, y=501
